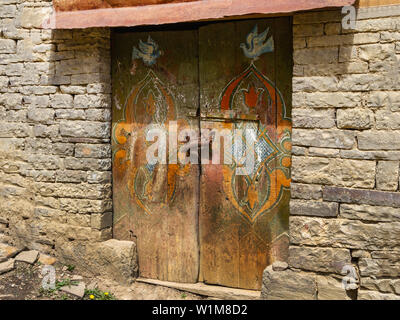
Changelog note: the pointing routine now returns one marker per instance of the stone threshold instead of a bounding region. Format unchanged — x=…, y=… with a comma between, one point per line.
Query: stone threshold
x=212, y=291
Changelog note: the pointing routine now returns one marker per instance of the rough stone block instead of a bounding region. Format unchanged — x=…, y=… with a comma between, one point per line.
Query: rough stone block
x=34, y=17
x=387, y=175
x=373, y=25
x=370, y=155
x=323, y=152
x=359, y=196
x=85, y=205
x=87, y=164
x=336, y=40
x=101, y=221
x=319, y=259
x=338, y=172
x=46, y=259
x=378, y=268
x=326, y=99
x=98, y=114
x=330, y=288
x=113, y=258
x=387, y=120
x=369, y=213
x=99, y=177
x=28, y=256
x=288, y=285
x=75, y=290
x=308, y=30
x=7, y=266
x=70, y=114
x=315, y=84
x=92, y=101
x=317, y=17
x=379, y=140
x=313, y=208
x=333, y=28
x=89, y=129
x=92, y=150
x=7, y=46
x=375, y=51
x=73, y=89
x=313, y=118
x=305, y=191
x=329, y=138
x=61, y=101
x=382, y=285
x=374, y=295
x=40, y=115
x=7, y=252
x=356, y=118
x=316, y=55
x=299, y=151
x=344, y=233
x=71, y=176
x=279, y=266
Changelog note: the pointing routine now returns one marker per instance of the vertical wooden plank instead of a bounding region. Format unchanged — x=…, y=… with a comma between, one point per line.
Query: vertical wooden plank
x=155, y=205
x=283, y=80
x=219, y=255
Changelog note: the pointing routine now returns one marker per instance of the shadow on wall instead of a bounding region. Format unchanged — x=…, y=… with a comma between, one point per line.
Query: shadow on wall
x=55, y=159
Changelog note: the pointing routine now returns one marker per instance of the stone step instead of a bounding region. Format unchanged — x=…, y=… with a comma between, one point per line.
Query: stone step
x=212, y=291
x=76, y=290
x=7, y=252
x=28, y=256
x=7, y=266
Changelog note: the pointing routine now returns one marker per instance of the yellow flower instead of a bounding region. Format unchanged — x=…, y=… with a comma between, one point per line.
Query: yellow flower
x=106, y=293
x=91, y=296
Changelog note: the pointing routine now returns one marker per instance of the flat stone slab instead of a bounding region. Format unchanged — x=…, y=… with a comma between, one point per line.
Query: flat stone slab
x=28, y=256
x=47, y=260
x=279, y=266
x=78, y=290
x=7, y=266
x=219, y=292
x=7, y=252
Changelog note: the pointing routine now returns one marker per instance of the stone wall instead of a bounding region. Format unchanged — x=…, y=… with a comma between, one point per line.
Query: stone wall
x=55, y=158
x=345, y=207
x=55, y=118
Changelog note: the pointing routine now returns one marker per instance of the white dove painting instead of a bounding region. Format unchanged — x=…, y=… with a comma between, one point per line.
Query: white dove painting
x=148, y=51
x=256, y=45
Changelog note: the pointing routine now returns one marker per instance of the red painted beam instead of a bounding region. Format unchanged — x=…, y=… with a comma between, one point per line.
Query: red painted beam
x=181, y=12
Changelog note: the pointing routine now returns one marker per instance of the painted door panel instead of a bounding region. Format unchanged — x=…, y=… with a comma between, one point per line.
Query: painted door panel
x=243, y=219
x=155, y=205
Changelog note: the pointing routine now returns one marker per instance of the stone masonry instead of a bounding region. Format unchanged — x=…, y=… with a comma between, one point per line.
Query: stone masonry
x=55, y=157
x=345, y=206
x=55, y=119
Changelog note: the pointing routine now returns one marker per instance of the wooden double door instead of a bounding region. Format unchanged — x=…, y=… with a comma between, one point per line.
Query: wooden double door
x=225, y=87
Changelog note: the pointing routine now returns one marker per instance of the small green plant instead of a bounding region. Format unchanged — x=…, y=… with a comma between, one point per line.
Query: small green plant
x=65, y=282
x=47, y=292
x=65, y=297
x=183, y=295
x=70, y=267
x=96, y=294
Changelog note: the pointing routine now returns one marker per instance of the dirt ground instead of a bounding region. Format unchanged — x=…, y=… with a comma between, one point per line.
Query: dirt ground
x=25, y=283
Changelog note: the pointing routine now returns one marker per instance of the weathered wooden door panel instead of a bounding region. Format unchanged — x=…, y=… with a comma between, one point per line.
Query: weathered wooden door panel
x=155, y=82
x=213, y=224
x=243, y=219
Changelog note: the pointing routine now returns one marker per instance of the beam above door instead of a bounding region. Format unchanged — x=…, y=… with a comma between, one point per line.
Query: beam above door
x=174, y=12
